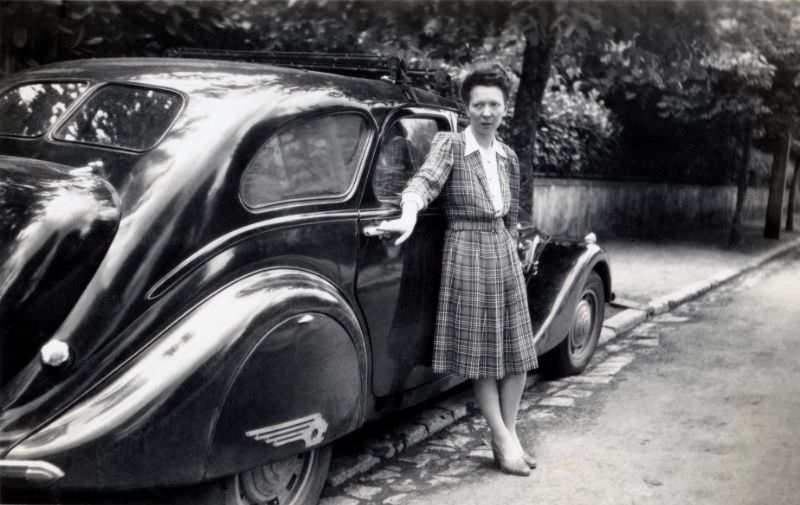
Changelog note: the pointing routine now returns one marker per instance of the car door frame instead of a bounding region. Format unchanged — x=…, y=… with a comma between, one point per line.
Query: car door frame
x=371, y=211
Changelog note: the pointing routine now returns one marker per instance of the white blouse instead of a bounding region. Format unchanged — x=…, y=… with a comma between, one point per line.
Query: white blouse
x=489, y=162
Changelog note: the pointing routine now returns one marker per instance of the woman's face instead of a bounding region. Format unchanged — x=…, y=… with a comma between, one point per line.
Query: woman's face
x=486, y=109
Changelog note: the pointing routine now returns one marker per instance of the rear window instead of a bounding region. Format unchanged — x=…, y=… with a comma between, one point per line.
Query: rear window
x=29, y=110
x=123, y=116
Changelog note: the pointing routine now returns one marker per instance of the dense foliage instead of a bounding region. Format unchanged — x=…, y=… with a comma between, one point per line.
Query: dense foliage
x=691, y=83
x=659, y=90
x=577, y=131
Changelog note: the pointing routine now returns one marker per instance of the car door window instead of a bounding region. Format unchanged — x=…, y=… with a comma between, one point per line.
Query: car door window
x=403, y=149
x=311, y=158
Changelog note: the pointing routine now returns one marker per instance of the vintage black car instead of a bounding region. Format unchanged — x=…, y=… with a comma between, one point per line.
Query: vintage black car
x=193, y=290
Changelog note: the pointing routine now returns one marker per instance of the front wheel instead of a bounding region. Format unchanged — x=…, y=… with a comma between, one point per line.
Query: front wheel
x=573, y=354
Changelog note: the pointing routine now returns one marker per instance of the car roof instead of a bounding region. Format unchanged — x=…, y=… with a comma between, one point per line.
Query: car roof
x=219, y=79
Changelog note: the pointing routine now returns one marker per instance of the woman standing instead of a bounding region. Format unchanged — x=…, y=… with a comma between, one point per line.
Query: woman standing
x=483, y=327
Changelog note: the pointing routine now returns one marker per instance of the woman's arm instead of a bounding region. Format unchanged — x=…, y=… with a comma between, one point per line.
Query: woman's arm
x=429, y=180
x=423, y=187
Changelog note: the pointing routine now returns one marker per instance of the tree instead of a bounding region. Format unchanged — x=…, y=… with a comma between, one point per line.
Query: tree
x=696, y=73
x=792, y=207
x=772, y=29
x=538, y=24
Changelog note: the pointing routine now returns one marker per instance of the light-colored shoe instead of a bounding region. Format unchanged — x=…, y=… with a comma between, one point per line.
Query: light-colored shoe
x=509, y=465
x=529, y=460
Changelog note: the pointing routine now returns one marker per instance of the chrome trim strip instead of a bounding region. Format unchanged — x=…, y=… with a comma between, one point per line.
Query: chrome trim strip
x=591, y=251
x=221, y=242
x=379, y=213
x=33, y=470
x=395, y=212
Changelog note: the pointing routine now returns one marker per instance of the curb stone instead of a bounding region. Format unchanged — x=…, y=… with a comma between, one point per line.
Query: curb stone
x=621, y=323
x=669, y=301
x=448, y=411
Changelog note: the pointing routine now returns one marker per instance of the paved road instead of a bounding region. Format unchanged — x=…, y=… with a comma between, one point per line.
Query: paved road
x=701, y=406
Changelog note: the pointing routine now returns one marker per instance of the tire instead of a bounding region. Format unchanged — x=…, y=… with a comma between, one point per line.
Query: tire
x=572, y=355
x=297, y=480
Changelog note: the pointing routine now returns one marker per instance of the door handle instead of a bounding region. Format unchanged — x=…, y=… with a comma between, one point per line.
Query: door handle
x=374, y=231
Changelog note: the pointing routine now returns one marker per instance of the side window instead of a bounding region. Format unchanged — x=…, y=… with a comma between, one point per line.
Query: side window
x=311, y=158
x=402, y=151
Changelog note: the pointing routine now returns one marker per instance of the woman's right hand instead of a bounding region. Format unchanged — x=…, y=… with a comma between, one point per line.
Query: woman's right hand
x=403, y=225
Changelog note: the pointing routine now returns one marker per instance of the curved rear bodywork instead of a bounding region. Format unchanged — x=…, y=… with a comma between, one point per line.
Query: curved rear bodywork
x=56, y=224
x=166, y=237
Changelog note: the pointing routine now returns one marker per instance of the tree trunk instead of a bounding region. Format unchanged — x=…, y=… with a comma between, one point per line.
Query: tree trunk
x=540, y=43
x=792, y=194
x=777, y=186
x=7, y=60
x=735, y=237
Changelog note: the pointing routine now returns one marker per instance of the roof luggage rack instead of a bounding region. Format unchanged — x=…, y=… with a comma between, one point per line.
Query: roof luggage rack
x=370, y=66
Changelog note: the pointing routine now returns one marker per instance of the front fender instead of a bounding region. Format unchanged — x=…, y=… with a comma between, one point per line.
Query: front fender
x=154, y=422
x=555, y=286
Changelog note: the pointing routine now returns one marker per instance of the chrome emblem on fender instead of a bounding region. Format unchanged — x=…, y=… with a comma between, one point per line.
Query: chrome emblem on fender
x=310, y=429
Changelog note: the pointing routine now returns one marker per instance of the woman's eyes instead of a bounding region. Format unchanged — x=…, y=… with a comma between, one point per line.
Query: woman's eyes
x=480, y=105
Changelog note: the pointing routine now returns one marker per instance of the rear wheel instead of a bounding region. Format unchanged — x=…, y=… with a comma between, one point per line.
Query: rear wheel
x=297, y=480
x=573, y=354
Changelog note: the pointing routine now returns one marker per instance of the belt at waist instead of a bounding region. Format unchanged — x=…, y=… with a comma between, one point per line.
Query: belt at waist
x=466, y=225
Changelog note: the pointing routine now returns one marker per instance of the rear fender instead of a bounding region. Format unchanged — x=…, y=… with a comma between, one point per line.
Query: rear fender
x=55, y=227
x=556, y=284
x=172, y=404
x=302, y=384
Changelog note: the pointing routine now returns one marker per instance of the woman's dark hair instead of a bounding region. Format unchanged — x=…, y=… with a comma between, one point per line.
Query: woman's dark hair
x=486, y=76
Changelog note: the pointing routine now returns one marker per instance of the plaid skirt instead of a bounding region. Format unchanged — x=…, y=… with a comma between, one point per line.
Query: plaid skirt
x=483, y=326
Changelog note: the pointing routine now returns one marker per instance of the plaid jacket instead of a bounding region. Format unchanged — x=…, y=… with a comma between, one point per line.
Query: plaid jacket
x=462, y=179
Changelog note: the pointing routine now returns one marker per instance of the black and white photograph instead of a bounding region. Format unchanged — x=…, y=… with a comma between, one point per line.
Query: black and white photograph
x=399, y=252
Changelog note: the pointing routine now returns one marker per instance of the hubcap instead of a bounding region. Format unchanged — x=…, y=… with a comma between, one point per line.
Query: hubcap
x=279, y=483
x=581, y=333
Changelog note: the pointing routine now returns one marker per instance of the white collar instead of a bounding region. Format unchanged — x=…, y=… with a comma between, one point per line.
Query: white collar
x=471, y=144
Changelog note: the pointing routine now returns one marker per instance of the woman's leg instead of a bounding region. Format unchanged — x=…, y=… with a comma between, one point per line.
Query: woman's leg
x=488, y=398
x=511, y=387
x=507, y=453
